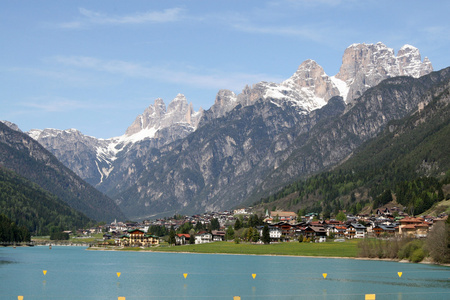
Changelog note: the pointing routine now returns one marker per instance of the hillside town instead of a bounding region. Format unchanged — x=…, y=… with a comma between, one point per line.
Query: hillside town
x=246, y=226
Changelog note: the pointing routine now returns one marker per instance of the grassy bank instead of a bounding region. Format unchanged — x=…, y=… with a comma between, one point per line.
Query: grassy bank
x=73, y=240
x=330, y=249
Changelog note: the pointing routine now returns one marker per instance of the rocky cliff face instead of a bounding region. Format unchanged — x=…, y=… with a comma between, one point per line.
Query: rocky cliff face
x=75, y=150
x=177, y=160
x=95, y=160
x=309, y=88
x=366, y=65
x=221, y=162
x=256, y=149
x=331, y=142
x=156, y=117
x=11, y=125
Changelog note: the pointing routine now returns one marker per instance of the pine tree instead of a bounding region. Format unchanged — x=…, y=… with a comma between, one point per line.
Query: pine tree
x=230, y=233
x=172, y=237
x=215, y=225
x=238, y=224
x=266, y=235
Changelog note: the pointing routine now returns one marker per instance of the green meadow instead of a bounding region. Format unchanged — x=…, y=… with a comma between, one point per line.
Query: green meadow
x=328, y=249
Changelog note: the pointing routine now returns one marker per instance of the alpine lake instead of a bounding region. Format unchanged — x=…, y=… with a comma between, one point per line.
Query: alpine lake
x=67, y=272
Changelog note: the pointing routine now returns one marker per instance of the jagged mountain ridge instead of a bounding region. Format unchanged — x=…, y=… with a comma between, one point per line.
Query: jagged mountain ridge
x=309, y=88
x=94, y=159
x=335, y=140
x=248, y=153
x=29, y=159
x=218, y=165
x=413, y=148
x=363, y=66
x=115, y=164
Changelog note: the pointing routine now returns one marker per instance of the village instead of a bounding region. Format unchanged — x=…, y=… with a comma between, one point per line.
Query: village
x=243, y=225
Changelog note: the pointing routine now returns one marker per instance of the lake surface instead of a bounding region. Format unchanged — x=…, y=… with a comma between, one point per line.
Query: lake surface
x=74, y=273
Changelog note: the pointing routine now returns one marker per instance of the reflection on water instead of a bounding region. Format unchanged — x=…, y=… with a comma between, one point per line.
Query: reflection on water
x=93, y=275
x=419, y=283
x=4, y=262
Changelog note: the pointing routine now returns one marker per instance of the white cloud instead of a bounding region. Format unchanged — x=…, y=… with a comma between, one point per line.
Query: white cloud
x=70, y=77
x=167, y=15
x=305, y=32
x=72, y=25
x=289, y=19
x=314, y=3
x=89, y=17
x=54, y=104
x=58, y=104
x=436, y=32
x=203, y=79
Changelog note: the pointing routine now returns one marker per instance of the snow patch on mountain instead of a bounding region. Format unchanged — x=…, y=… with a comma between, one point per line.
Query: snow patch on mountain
x=179, y=118
x=11, y=125
x=363, y=66
x=341, y=86
x=309, y=88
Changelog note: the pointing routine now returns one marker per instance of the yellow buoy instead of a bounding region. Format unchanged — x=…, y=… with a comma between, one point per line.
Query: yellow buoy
x=185, y=275
x=19, y=297
x=118, y=274
x=121, y=298
x=324, y=275
x=45, y=272
x=370, y=297
x=236, y=298
x=253, y=275
x=400, y=274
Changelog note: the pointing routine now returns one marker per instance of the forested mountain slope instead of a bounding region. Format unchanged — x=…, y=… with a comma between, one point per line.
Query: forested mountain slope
x=408, y=160
x=333, y=140
x=28, y=205
x=26, y=157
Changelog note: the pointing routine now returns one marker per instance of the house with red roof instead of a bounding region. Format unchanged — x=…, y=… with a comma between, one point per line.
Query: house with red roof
x=182, y=238
x=414, y=227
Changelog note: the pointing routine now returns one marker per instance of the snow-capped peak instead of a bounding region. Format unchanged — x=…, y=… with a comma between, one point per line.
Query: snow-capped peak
x=409, y=47
x=363, y=66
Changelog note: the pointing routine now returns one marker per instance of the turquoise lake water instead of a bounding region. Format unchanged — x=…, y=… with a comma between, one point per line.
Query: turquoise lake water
x=74, y=273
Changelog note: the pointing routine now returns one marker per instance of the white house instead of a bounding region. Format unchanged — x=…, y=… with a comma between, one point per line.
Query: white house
x=203, y=238
x=359, y=230
x=274, y=232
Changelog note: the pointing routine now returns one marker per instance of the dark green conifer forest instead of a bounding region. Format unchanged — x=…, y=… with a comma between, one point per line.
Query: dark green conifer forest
x=10, y=232
x=30, y=207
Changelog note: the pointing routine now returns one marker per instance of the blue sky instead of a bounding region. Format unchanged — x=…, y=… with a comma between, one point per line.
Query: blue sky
x=96, y=65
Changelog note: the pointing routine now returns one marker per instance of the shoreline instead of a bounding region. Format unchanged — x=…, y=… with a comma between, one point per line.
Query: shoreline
x=427, y=262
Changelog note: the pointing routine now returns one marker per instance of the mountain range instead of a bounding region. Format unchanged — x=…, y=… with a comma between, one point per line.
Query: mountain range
x=176, y=160
x=29, y=161
x=409, y=161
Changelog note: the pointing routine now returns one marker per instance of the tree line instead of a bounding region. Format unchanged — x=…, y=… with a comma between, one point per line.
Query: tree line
x=10, y=232
x=335, y=191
